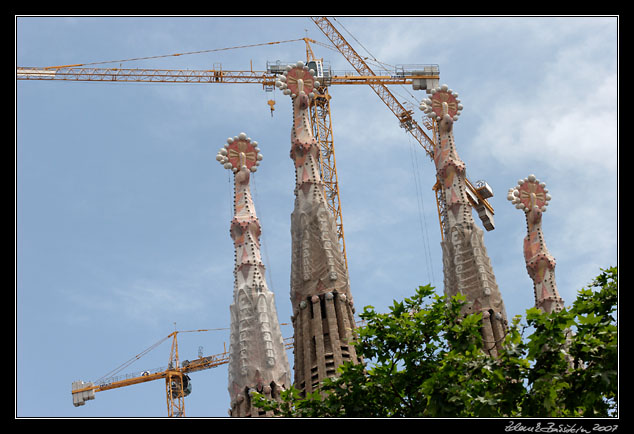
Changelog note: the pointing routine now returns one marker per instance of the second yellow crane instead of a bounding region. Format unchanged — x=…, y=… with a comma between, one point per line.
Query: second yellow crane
x=177, y=381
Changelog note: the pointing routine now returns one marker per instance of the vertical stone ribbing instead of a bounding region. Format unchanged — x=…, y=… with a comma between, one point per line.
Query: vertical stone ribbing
x=467, y=267
x=320, y=291
x=257, y=356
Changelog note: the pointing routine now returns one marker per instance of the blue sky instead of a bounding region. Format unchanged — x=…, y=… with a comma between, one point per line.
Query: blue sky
x=122, y=212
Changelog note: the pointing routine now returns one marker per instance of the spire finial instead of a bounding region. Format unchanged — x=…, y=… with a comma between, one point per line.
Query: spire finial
x=240, y=151
x=443, y=101
x=530, y=194
x=297, y=80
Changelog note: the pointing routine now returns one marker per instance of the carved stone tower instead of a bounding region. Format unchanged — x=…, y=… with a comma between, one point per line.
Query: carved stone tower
x=323, y=311
x=257, y=357
x=531, y=196
x=467, y=267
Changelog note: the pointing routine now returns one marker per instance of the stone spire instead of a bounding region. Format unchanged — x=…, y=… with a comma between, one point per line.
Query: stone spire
x=257, y=357
x=320, y=290
x=467, y=267
x=531, y=196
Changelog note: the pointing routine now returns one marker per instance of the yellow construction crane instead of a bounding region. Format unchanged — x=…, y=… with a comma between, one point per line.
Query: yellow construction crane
x=177, y=382
x=419, y=76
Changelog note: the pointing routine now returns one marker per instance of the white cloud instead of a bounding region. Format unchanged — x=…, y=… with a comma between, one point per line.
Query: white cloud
x=568, y=122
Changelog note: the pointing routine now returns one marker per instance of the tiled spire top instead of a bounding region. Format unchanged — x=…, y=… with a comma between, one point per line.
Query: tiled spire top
x=442, y=101
x=240, y=152
x=297, y=80
x=529, y=195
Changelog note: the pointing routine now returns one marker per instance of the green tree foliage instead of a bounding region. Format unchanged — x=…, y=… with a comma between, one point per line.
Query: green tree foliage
x=424, y=359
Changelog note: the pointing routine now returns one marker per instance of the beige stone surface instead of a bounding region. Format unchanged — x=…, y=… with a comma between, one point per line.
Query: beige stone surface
x=323, y=309
x=466, y=264
x=257, y=355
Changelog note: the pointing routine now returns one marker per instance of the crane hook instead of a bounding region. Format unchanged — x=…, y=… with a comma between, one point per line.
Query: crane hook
x=271, y=103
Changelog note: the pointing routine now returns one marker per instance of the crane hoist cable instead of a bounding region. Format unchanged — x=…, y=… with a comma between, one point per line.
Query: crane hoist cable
x=384, y=66
x=127, y=363
x=357, y=41
x=418, y=183
x=263, y=241
x=211, y=50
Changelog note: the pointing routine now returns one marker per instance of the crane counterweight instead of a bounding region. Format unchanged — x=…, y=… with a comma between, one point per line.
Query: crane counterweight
x=82, y=392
